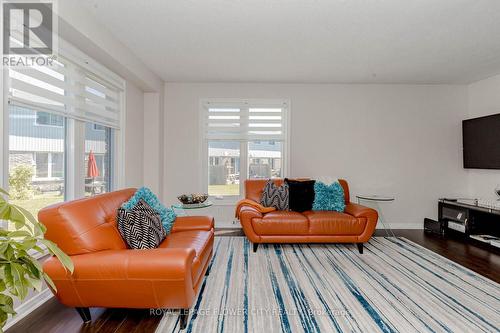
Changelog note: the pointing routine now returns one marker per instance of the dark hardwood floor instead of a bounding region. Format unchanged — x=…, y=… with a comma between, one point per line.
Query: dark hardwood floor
x=53, y=317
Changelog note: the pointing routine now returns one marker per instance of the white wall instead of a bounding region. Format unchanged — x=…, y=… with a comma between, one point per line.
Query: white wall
x=152, y=161
x=484, y=99
x=134, y=136
x=401, y=140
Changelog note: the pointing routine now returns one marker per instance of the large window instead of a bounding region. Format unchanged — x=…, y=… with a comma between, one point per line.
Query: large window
x=36, y=160
x=62, y=119
x=243, y=140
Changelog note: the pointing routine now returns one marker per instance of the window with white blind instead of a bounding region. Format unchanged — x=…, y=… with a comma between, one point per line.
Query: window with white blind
x=68, y=90
x=243, y=139
x=62, y=118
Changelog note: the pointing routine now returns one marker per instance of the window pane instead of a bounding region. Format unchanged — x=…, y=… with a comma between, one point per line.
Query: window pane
x=223, y=168
x=48, y=119
x=265, y=159
x=42, y=165
x=97, y=159
x=57, y=165
x=34, y=181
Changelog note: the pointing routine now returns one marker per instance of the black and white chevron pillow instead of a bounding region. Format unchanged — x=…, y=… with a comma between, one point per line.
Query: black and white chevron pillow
x=141, y=226
x=274, y=196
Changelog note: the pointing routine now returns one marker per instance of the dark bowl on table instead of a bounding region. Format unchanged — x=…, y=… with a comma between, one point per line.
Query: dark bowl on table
x=195, y=198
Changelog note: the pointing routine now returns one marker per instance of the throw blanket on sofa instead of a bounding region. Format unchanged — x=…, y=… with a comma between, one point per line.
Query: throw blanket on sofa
x=251, y=203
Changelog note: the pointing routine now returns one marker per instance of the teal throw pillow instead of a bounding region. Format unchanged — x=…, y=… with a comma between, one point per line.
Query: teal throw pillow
x=328, y=197
x=167, y=215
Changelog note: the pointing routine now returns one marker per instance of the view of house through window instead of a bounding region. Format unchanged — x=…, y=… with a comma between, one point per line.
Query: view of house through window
x=36, y=158
x=97, y=159
x=264, y=159
x=224, y=168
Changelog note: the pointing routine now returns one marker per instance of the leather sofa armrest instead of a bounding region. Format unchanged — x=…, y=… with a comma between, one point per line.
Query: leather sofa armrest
x=371, y=216
x=188, y=223
x=247, y=213
x=154, y=264
x=360, y=211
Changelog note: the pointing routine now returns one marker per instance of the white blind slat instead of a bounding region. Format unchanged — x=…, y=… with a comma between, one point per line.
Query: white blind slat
x=244, y=121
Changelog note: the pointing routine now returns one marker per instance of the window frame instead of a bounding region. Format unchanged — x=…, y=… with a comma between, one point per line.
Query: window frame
x=244, y=158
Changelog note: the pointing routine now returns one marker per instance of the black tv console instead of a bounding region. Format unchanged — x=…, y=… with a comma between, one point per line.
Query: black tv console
x=471, y=219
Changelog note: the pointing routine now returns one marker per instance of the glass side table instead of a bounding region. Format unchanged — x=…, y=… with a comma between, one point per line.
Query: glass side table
x=183, y=207
x=376, y=199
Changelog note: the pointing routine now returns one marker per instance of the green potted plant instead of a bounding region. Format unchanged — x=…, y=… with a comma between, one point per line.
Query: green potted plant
x=20, y=272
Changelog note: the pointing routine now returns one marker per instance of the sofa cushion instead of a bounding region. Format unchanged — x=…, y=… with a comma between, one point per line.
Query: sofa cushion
x=275, y=196
x=329, y=197
x=281, y=223
x=301, y=194
x=141, y=226
x=199, y=240
x=167, y=215
x=334, y=223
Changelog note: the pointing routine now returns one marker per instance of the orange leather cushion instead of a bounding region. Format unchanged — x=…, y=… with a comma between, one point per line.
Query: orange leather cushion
x=281, y=223
x=86, y=225
x=334, y=223
x=255, y=187
x=199, y=240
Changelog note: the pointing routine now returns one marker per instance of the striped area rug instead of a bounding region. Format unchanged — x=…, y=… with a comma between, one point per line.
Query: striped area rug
x=395, y=286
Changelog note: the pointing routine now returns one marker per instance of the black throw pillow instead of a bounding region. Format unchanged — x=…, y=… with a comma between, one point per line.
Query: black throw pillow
x=301, y=194
x=141, y=226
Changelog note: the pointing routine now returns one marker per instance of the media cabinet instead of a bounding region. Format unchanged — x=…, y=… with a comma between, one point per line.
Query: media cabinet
x=470, y=218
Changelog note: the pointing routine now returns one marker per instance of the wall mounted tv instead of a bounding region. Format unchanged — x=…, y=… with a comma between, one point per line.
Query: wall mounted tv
x=481, y=142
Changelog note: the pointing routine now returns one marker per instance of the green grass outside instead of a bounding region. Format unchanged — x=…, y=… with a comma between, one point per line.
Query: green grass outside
x=38, y=202
x=230, y=189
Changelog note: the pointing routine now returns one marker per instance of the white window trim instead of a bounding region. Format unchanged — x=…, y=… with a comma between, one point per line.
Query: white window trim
x=203, y=151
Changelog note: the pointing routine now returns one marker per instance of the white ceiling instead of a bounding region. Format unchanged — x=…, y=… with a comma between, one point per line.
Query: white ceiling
x=305, y=41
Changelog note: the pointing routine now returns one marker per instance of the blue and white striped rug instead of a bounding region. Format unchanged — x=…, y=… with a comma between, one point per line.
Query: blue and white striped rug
x=395, y=286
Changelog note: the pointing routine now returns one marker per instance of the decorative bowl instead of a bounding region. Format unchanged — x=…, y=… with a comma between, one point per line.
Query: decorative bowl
x=193, y=198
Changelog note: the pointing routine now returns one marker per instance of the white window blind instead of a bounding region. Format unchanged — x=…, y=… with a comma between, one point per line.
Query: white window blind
x=245, y=120
x=66, y=89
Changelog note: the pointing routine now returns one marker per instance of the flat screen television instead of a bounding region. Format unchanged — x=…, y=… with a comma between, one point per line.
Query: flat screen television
x=481, y=142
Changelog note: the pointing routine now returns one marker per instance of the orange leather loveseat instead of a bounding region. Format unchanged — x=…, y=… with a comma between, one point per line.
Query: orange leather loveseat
x=355, y=225
x=107, y=274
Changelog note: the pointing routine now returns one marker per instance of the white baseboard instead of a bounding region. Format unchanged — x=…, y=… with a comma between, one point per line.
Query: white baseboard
x=401, y=225
x=28, y=306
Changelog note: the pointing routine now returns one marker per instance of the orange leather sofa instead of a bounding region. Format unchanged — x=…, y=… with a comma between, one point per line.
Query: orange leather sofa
x=355, y=225
x=107, y=274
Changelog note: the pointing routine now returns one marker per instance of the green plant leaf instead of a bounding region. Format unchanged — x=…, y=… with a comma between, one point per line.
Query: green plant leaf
x=3, y=247
x=38, y=249
x=29, y=243
x=27, y=214
x=34, y=266
x=49, y=281
x=19, y=233
x=9, y=280
x=63, y=257
x=18, y=276
x=4, y=211
x=2, y=286
x=16, y=215
x=4, y=192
